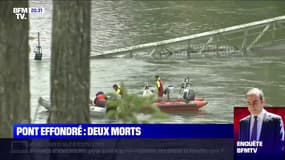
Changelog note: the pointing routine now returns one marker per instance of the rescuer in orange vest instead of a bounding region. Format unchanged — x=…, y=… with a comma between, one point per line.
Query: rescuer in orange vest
x=159, y=86
x=100, y=99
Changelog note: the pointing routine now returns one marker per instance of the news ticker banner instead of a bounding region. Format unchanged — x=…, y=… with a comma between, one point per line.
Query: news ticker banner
x=120, y=148
x=123, y=131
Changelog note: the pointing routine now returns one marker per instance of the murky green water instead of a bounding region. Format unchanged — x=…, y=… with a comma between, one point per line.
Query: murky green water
x=221, y=81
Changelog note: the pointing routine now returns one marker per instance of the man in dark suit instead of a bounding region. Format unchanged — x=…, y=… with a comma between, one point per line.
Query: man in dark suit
x=263, y=126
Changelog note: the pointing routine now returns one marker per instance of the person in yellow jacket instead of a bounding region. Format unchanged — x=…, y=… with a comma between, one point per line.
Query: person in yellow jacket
x=159, y=86
x=118, y=89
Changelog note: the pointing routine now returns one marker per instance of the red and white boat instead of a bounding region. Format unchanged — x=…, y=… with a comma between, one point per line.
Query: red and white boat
x=188, y=102
x=180, y=105
x=95, y=111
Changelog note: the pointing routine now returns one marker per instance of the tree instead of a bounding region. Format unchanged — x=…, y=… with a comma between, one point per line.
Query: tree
x=70, y=75
x=14, y=68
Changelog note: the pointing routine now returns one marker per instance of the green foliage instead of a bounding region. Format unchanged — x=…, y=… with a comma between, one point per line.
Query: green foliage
x=127, y=107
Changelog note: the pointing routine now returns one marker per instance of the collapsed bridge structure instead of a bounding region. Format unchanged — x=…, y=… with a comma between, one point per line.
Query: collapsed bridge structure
x=235, y=40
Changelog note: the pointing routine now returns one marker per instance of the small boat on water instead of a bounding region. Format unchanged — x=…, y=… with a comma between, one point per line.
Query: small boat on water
x=187, y=101
x=180, y=105
x=94, y=110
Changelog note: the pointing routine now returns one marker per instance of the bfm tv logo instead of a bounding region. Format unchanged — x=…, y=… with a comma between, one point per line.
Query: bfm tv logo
x=21, y=12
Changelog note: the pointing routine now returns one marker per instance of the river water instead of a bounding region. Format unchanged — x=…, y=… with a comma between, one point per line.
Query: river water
x=222, y=81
